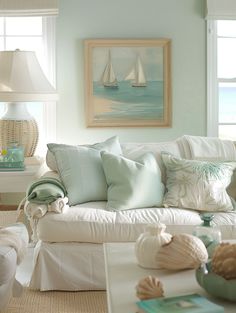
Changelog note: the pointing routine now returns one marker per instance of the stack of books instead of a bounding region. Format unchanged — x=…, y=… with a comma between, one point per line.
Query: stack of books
x=192, y=303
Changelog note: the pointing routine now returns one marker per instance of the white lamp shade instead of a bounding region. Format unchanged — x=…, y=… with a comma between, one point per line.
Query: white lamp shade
x=22, y=79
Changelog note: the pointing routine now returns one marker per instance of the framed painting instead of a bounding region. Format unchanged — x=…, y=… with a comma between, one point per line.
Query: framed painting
x=128, y=82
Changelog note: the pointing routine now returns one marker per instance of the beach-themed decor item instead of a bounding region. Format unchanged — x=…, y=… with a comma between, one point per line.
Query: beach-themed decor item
x=224, y=260
x=149, y=287
x=128, y=82
x=208, y=233
x=215, y=284
x=12, y=158
x=149, y=243
x=183, y=252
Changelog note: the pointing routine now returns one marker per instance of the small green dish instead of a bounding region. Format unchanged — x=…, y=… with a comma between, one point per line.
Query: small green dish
x=216, y=285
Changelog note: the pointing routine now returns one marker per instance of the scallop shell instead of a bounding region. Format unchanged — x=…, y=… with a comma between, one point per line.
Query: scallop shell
x=183, y=252
x=224, y=260
x=149, y=287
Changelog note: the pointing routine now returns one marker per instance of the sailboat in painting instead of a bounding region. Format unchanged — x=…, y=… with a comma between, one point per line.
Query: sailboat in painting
x=108, y=78
x=136, y=75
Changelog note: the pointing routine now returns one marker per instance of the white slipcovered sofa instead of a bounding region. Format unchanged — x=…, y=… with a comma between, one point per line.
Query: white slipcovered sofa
x=69, y=251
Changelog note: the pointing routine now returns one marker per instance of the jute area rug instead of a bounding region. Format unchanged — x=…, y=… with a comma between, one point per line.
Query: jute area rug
x=58, y=302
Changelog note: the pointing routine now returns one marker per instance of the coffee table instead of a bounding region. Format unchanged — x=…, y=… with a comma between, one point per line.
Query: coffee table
x=123, y=274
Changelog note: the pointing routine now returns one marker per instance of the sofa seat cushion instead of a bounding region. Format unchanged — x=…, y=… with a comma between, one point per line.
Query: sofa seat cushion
x=91, y=222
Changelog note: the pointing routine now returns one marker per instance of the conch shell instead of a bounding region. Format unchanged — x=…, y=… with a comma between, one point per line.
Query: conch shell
x=149, y=287
x=183, y=252
x=223, y=261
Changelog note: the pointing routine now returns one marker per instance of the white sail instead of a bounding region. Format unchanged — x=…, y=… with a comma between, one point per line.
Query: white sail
x=108, y=78
x=136, y=75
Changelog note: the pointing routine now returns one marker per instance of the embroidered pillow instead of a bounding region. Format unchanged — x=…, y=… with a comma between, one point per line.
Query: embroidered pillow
x=197, y=185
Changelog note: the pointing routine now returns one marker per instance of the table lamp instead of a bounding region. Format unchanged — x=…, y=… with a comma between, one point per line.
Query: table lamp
x=21, y=80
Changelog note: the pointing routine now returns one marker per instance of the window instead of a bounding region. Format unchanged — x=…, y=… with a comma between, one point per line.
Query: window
x=34, y=34
x=222, y=79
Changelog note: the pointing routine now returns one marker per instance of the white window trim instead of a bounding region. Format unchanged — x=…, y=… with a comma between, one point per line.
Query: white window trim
x=49, y=41
x=212, y=81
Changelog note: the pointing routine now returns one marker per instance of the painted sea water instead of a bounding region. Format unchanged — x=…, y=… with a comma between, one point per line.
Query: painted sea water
x=129, y=102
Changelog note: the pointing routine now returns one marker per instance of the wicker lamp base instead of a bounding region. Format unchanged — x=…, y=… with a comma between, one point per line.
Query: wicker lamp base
x=23, y=132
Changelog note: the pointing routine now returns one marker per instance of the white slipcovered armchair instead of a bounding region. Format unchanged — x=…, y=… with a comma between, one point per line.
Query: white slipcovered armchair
x=13, y=246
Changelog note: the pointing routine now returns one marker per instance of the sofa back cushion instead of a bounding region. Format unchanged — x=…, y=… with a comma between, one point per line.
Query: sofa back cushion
x=135, y=150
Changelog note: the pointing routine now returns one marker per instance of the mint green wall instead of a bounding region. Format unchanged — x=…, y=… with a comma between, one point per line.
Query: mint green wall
x=180, y=20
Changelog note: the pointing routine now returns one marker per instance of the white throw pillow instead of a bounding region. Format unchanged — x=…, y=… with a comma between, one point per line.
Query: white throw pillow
x=197, y=185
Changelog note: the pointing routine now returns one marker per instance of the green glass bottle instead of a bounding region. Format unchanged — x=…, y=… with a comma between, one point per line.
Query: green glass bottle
x=209, y=234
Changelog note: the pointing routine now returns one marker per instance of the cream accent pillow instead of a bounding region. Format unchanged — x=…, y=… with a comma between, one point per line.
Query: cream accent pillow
x=132, y=184
x=197, y=185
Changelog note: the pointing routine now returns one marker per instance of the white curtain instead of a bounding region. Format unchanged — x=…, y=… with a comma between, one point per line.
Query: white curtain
x=28, y=7
x=221, y=9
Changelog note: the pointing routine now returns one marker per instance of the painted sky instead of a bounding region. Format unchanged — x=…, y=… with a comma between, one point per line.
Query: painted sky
x=123, y=59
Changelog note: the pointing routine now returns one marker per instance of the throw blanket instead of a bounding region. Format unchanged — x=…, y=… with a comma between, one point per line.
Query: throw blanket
x=11, y=239
x=203, y=148
x=47, y=194
x=35, y=211
x=45, y=190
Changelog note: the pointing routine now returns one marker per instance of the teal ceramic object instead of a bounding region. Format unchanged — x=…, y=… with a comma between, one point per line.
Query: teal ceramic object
x=216, y=285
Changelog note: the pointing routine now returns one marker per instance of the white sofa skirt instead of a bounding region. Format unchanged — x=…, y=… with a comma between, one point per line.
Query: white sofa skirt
x=69, y=255
x=68, y=266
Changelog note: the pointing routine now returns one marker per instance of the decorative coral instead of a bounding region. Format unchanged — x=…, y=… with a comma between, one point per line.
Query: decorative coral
x=149, y=287
x=183, y=252
x=224, y=260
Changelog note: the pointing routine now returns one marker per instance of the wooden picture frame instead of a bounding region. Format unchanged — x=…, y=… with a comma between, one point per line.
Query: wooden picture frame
x=128, y=82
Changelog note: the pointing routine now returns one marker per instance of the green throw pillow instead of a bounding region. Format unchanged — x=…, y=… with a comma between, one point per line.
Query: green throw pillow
x=198, y=185
x=81, y=170
x=132, y=184
x=111, y=145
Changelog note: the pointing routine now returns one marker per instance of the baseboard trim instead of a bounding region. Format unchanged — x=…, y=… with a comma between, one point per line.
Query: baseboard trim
x=8, y=207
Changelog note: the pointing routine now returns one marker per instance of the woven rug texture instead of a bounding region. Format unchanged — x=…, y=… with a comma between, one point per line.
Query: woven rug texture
x=58, y=302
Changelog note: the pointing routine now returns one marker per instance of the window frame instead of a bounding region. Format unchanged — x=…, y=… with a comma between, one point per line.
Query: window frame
x=49, y=108
x=212, y=80
x=49, y=42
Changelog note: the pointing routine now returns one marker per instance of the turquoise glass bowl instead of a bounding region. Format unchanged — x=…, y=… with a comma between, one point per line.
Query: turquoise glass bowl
x=216, y=285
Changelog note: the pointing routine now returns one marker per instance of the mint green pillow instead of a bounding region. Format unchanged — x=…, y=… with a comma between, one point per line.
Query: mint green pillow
x=132, y=184
x=81, y=172
x=111, y=145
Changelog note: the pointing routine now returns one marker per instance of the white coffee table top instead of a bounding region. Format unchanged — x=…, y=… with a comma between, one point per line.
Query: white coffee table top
x=123, y=274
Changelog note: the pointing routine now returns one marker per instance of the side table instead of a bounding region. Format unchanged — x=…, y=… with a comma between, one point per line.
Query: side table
x=18, y=181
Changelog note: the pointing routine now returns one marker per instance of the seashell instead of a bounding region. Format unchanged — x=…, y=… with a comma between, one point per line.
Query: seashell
x=183, y=252
x=149, y=287
x=223, y=261
x=148, y=244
